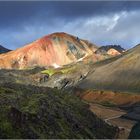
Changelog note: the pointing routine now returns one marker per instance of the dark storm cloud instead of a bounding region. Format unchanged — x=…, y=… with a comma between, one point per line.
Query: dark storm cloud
x=14, y=13
x=88, y=8
x=19, y=12
x=21, y=22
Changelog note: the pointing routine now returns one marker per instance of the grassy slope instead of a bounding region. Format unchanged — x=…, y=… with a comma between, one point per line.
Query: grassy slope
x=33, y=112
x=52, y=71
x=120, y=73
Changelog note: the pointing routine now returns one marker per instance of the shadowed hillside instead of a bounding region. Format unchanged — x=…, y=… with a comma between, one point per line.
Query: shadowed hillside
x=3, y=50
x=135, y=133
x=44, y=113
x=119, y=73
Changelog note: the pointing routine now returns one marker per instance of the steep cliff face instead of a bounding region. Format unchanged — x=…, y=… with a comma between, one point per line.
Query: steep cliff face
x=55, y=50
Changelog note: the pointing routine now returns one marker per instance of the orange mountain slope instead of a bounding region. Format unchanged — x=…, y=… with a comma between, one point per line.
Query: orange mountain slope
x=113, y=52
x=56, y=50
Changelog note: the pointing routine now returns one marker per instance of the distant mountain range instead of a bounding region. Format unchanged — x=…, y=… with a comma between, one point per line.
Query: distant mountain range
x=3, y=50
x=110, y=49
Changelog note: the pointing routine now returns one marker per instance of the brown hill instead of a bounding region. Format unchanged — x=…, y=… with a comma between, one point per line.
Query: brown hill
x=119, y=73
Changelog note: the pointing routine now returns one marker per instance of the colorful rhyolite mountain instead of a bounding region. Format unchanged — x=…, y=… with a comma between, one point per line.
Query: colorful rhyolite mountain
x=55, y=50
x=3, y=50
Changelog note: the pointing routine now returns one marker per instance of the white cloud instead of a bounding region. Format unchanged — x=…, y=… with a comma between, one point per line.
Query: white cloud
x=118, y=28
x=113, y=23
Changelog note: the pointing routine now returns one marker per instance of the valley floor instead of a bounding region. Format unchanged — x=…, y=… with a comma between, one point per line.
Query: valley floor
x=112, y=116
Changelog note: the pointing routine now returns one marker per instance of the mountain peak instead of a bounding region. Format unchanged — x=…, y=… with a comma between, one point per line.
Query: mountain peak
x=110, y=49
x=57, y=48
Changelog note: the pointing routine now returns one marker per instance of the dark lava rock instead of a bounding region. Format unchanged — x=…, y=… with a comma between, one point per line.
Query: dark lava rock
x=44, y=78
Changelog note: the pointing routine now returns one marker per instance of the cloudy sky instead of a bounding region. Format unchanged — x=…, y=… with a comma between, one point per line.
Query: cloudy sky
x=101, y=22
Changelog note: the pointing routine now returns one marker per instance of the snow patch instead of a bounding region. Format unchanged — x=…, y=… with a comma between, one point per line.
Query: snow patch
x=81, y=59
x=55, y=65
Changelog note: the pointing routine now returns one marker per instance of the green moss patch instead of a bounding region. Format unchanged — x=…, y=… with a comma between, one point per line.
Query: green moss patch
x=31, y=112
x=64, y=70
